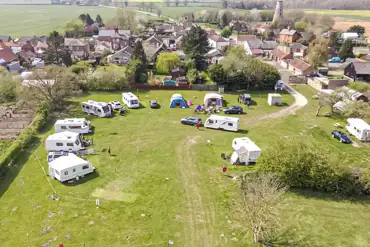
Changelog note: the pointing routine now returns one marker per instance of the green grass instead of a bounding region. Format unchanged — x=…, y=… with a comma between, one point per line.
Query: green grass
x=347, y=14
x=191, y=206
x=4, y=144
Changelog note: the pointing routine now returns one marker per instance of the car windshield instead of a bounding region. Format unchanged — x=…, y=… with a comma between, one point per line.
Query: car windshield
x=134, y=102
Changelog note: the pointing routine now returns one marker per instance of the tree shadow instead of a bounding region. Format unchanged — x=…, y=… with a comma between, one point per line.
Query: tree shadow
x=243, y=131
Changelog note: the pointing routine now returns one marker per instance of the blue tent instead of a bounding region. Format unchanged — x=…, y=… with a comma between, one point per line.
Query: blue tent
x=178, y=101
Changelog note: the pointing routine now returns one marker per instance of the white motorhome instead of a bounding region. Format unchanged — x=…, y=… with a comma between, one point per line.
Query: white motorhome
x=246, y=151
x=359, y=128
x=100, y=109
x=78, y=125
x=130, y=100
x=64, y=141
x=69, y=167
x=222, y=123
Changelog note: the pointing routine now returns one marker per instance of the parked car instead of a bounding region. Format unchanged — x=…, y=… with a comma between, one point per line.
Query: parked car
x=116, y=105
x=335, y=60
x=191, y=120
x=343, y=138
x=279, y=86
x=54, y=155
x=233, y=110
x=154, y=104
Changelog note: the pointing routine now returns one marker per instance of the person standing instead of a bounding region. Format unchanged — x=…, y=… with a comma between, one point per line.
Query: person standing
x=197, y=125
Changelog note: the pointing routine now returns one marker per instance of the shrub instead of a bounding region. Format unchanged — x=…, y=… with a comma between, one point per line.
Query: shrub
x=359, y=86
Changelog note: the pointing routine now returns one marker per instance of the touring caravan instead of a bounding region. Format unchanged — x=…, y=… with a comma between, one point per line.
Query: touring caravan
x=69, y=167
x=130, y=100
x=246, y=151
x=78, y=125
x=359, y=128
x=100, y=109
x=222, y=123
x=64, y=141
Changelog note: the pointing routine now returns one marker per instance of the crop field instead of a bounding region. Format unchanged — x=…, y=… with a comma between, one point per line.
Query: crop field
x=172, y=189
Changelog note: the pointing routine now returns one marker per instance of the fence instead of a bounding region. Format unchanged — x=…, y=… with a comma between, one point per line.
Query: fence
x=199, y=87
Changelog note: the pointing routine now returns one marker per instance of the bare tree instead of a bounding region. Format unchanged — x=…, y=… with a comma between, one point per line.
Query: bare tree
x=159, y=12
x=260, y=196
x=185, y=2
x=168, y=3
x=177, y=2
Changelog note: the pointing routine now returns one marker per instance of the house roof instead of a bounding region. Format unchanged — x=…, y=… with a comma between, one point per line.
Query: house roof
x=242, y=38
x=42, y=45
x=24, y=39
x=154, y=38
x=256, y=51
x=281, y=54
x=300, y=64
x=289, y=32
x=217, y=38
x=74, y=42
x=366, y=57
x=269, y=45
x=362, y=68
x=298, y=46
x=6, y=54
x=110, y=33
x=151, y=51
x=5, y=38
x=125, y=51
x=27, y=54
x=213, y=53
x=178, y=69
x=11, y=44
x=261, y=25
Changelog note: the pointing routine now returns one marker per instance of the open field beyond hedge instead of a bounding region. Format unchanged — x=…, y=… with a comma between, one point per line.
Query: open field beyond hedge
x=195, y=206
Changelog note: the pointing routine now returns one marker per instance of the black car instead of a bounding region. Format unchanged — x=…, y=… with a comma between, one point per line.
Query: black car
x=343, y=138
x=154, y=104
x=233, y=110
x=191, y=120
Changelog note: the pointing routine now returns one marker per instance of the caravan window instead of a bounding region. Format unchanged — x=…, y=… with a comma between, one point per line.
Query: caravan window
x=63, y=127
x=134, y=102
x=230, y=124
x=77, y=142
x=59, y=144
x=85, y=167
x=69, y=144
x=66, y=173
x=56, y=172
x=210, y=121
x=105, y=109
x=74, y=169
x=99, y=110
x=87, y=107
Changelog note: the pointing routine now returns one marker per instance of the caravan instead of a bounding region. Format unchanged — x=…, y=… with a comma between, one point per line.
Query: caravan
x=222, y=123
x=78, y=125
x=246, y=151
x=359, y=128
x=100, y=109
x=69, y=167
x=130, y=100
x=64, y=141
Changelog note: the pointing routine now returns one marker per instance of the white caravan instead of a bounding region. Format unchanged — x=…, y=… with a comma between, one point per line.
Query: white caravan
x=69, y=167
x=78, y=125
x=246, y=151
x=100, y=109
x=64, y=141
x=130, y=100
x=359, y=128
x=222, y=123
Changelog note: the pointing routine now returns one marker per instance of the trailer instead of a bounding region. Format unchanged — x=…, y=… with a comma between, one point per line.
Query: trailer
x=100, y=109
x=359, y=128
x=64, y=141
x=222, y=123
x=245, y=151
x=69, y=167
x=78, y=125
x=130, y=100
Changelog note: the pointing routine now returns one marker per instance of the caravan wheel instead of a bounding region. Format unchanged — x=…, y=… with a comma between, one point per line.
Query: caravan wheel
x=77, y=178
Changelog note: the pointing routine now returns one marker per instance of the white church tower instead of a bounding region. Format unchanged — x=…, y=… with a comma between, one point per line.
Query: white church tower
x=279, y=11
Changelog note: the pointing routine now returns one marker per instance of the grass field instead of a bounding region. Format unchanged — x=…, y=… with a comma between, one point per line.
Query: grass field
x=194, y=207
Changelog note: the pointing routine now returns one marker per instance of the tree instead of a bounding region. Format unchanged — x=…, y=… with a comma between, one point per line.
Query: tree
x=195, y=44
x=82, y=17
x=346, y=51
x=356, y=109
x=177, y=2
x=74, y=29
x=168, y=2
x=326, y=21
x=159, y=12
x=189, y=64
x=192, y=75
x=331, y=99
x=216, y=73
x=255, y=15
x=224, y=3
x=99, y=21
x=125, y=19
x=56, y=53
x=360, y=30
x=126, y=3
x=260, y=196
x=223, y=20
x=318, y=52
x=301, y=26
x=138, y=52
x=89, y=21
x=8, y=86
x=142, y=5
x=166, y=62
x=151, y=6
x=185, y=2
x=295, y=15
x=226, y=32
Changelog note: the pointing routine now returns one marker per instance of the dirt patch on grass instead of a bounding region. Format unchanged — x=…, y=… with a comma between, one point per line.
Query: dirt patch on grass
x=116, y=191
x=356, y=145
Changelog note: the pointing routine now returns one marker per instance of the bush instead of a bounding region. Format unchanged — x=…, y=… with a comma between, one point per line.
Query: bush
x=359, y=86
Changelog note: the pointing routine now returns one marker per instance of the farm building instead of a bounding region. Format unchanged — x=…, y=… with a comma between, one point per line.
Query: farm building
x=178, y=101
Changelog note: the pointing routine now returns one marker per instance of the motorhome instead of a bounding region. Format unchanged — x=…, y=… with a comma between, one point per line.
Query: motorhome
x=222, y=123
x=78, y=125
x=245, y=151
x=64, y=141
x=100, y=109
x=130, y=100
x=69, y=167
x=359, y=128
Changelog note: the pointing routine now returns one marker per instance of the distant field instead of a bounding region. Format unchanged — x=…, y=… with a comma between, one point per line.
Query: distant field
x=352, y=14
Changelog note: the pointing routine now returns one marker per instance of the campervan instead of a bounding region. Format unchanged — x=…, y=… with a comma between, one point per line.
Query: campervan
x=69, y=167
x=246, y=151
x=64, y=141
x=222, y=123
x=130, y=100
x=100, y=109
x=78, y=125
x=359, y=128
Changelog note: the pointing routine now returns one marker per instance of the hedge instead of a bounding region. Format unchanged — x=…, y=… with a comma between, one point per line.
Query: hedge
x=27, y=136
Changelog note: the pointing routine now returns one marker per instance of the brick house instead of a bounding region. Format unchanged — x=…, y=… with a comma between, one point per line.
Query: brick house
x=78, y=48
x=300, y=67
x=119, y=39
x=6, y=54
x=281, y=57
x=121, y=57
x=217, y=41
x=289, y=36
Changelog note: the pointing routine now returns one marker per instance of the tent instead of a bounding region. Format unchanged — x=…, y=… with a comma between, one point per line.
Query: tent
x=178, y=100
x=213, y=99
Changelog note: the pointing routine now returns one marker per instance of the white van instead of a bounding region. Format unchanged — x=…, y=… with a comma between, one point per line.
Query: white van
x=64, y=141
x=78, y=125
x=100, y=109
x=130, y=100
x=246, y=151
x=69, y=167
x=222, y=123
x=359, y=128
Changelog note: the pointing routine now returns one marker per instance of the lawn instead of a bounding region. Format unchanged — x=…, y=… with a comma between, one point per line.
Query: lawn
x=194, y=206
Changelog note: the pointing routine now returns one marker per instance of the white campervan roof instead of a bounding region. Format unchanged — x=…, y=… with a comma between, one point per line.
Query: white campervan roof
x=65, y=162
x=65, y=135
x=131, y=96
x=245, y=142
x=71, y=121
x=217, y=117
x=359, y=123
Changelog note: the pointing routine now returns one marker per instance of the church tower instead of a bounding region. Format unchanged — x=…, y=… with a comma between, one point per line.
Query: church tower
x=279, y=14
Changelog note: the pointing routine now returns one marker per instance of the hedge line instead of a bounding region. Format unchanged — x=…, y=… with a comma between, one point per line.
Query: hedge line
x=27, y=136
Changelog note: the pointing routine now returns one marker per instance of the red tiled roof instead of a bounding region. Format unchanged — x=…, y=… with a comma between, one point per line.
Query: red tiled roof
x=245, y=37
x=6, y=53
x=216, y=38
x=280, y=54
x=300, y=64
x=11, y=44
x=256, y=51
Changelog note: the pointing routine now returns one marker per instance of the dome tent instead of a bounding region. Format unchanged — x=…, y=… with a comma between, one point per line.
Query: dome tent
x=178, y=101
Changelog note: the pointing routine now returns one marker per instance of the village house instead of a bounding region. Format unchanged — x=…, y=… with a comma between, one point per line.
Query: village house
x=102, y=46
x=298, y=50
x=154, y=41
x=41, y=47
x=121, y=57
x=6, y=55
x=261, y=28
x=281, y=57
x=28, y=51
x=258, y=47
x=300, y=67
x=214, y=56
x=358, y=71
x=239, y=26
x=152, y=49
x=240, y=39
x=16, y=48
x=289, y=36
x=79, y=49
x=5, y=38
x=217, y=41
x=119, y=39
